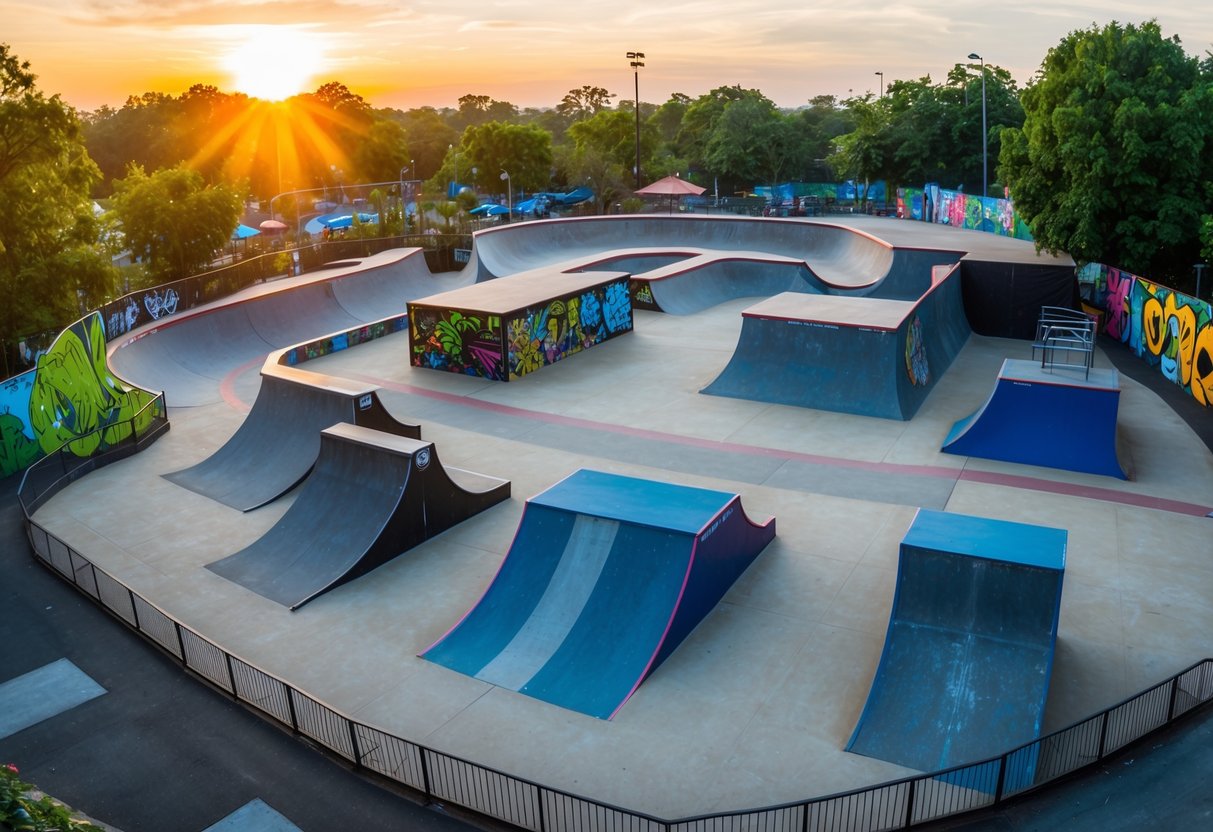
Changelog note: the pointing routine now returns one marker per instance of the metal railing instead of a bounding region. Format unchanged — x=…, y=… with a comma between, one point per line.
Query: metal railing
x=528, y=805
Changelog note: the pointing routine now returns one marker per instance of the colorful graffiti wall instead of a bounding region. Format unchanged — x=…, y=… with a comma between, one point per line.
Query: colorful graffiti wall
x=343, y=340
x=961, y=210
x=461, y=341
x=70, y=398
x=1169, y=330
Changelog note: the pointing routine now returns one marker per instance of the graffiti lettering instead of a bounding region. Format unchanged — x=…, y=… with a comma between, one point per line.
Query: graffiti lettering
x=158, y=305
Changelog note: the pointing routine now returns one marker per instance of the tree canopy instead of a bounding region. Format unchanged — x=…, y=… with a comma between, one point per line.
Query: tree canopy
x=1113, y=162
x=173, y=221
x=51, y=266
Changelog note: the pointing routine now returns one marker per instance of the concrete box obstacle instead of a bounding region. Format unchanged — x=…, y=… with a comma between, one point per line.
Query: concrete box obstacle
x=1059, y=418
x=505, y=328
x=371, y=497
x=969, y=651
x=605, y=578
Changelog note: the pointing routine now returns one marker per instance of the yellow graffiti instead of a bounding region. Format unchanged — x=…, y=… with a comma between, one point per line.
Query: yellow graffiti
x=1153, y=325
x=1202, y=366
x=1185, y=336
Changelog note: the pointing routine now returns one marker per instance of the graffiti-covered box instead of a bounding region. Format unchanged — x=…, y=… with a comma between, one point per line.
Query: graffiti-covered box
x=505, y=328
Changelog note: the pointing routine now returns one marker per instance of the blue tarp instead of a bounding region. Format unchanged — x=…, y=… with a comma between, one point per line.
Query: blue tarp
x=243, y=232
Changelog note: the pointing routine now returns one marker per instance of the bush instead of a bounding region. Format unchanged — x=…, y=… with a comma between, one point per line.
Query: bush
x=23, y=808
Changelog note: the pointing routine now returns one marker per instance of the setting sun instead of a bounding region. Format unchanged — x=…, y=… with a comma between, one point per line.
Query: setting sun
x=274, y=62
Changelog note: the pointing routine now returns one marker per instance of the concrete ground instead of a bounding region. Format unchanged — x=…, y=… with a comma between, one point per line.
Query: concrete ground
x=755, y=706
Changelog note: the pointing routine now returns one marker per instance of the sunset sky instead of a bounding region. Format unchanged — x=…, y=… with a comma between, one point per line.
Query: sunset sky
x=403, y=54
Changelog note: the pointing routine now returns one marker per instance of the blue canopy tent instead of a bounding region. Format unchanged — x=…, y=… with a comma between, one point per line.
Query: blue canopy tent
x=243, y=232
x=489, y=209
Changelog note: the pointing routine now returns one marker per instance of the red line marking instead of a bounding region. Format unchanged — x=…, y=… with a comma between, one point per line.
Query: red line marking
x=1026, y=483
x=227, y=388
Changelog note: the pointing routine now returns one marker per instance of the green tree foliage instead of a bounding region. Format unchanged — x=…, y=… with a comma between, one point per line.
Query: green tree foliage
x=751, y=141
x=1113, y=161
x=50, y=263
x=612, y=134
x=525, y=151
x=583, y=103
x=173, y=221
x=381, y=153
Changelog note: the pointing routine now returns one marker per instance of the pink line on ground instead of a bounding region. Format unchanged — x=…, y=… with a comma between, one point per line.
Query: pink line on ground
x=227, y=388
x=1026, y=483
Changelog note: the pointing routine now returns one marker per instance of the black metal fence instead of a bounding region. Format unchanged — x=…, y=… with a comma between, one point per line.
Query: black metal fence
x=532, y=806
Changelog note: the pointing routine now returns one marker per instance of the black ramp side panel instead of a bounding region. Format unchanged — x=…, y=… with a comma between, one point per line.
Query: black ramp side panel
x=371, y=497
x=277, y=443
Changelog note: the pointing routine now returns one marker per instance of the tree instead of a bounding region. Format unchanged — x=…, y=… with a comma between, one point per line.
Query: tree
x=753, y=142
x=525, y=151
x=612, y=134
x=381, y=153
x=50, y=262
x=1112, y=163
x=173, y=221
x=584, y=103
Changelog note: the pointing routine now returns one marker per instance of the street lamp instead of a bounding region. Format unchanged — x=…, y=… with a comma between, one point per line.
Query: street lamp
x=637, y=61
x=985, y=140
x=509, y=183
x=881, y=74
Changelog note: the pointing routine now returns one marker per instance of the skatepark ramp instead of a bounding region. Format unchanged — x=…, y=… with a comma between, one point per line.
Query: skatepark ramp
x=862, y=355
x=605, y=578
x=371, y=497
x=277, y=443
x=965, y=670
x=1058, y=418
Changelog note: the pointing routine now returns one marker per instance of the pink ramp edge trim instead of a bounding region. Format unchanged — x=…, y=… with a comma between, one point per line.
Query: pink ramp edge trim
x=227, y=385
x=956, y=474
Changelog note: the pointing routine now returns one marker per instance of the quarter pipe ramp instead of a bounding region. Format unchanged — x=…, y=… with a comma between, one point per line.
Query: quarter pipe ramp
x=371, y=497
x=605, y=578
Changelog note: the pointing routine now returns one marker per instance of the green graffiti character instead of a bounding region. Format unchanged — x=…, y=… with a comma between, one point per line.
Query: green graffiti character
x=75, y=393
x=17, y=450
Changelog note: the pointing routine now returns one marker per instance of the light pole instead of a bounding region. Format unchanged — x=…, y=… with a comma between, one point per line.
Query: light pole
x=985, y=139
x=881, y=74
x=637, y=61
x=509, y=183
x=407, y=167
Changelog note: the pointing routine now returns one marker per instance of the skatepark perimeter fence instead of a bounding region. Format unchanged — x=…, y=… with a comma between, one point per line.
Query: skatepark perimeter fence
x=524, y=804
x=144, y=306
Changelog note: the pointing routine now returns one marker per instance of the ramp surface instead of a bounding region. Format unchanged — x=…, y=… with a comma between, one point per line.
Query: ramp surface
x=372, y=496
x=965, y=670
x=277, y=443
x=1057, y=419
x=863, y=355
x=605, y=577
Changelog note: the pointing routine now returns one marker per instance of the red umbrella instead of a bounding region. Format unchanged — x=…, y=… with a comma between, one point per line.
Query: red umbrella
x=671, y=186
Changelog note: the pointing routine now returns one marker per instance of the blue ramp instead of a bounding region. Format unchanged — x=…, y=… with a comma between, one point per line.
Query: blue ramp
x=969, y=650
x=605, y=577
x=1055, y=419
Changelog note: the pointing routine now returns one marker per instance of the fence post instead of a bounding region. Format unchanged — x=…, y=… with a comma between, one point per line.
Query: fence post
x=804, y=817
x=1103, y=735
x=1174, y=693
x=290, y=704
x=1002, y=779
x=180, y=643
x=231, y=674
x=354, y=744
x=425, y=774
x=130, y=594
x=910, y=805
x=539, y=807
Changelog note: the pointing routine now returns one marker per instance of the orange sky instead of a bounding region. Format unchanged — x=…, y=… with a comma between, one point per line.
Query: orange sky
x=430, y=53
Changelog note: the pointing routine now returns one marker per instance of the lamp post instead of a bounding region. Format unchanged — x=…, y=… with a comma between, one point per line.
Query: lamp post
x=637, y=61
x=881, y=74
x=407, y=167
x=985, y=138
x=509, y=183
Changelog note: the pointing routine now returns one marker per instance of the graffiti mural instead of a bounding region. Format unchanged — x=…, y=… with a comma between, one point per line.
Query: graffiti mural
x=1169, y=330
x=479, y=344
x=71, y=399
x=956, y=208
x=917, y=367
x=448, y=339
x=343, y=340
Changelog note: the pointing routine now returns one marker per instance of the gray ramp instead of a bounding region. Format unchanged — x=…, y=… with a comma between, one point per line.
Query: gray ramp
x=371, y=497
x=277, y=443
